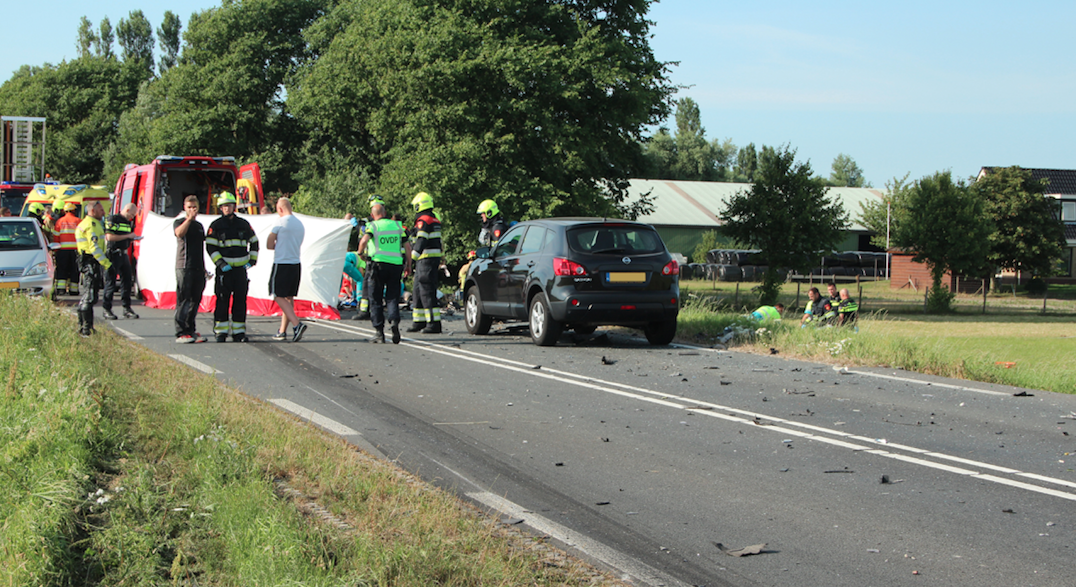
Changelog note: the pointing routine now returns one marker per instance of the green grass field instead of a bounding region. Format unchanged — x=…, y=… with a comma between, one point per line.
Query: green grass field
x=1033, y=350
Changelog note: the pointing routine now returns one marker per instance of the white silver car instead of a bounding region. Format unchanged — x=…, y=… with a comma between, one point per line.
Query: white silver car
x=25, y=263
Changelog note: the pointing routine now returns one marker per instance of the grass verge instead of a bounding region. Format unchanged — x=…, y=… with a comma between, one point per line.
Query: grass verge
x=123, y=468
x=1024, y=351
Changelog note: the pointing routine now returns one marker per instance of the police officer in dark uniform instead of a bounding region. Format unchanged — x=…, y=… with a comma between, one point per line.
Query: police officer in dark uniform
x=119, y=235
x=233, y=248
x=426, y=252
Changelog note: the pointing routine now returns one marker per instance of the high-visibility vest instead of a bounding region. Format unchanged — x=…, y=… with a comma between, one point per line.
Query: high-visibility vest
x=90, y=240
x=767, y=313
x=65, y=231
x=386, y=241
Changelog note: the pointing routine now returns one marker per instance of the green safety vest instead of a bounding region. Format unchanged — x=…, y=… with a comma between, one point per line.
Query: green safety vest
x=768, y=313
x=386, y=241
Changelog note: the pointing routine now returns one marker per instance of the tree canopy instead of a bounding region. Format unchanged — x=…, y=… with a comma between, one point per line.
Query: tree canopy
x=1028, y=235
x=787, y=215
x=846, y=173
x=688, y=155
x=945, y=226
x=537, y=105
x=882, y=217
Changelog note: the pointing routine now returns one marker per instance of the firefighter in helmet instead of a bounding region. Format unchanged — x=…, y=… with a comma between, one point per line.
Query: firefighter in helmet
x=426, y=252
x=67, y=273
x=493, y=223
x=233, y=248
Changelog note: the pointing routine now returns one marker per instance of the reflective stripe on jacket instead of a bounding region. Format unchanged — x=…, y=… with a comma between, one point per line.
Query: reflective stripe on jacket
x=231, y=241
x=89, y=238
x=427, y=243
x=386, y=241
x=65, y=231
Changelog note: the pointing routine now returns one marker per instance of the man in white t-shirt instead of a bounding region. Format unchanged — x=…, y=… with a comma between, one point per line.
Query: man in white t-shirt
x=285, y=241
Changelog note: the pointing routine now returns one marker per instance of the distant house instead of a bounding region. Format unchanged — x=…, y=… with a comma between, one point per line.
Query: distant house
x=685, y=210
x=1061, y=186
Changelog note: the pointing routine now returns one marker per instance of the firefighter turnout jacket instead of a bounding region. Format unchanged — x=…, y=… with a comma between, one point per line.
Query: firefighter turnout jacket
x=427, y=242
x=65, y=231
x=231, y=241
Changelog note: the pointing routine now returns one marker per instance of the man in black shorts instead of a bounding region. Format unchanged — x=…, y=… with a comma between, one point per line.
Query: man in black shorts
x=285, y=241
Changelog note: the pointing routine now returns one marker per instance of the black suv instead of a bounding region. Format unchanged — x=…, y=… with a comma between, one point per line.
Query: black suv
x=577, y=273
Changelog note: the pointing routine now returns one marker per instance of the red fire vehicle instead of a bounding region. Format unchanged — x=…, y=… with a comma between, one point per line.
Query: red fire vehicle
x=161, y=186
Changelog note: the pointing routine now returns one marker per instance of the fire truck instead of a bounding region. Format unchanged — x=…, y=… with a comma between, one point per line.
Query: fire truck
x=162, y=185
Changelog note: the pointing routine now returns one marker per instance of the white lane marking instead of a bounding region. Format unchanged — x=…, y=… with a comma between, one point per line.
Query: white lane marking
x=195, y=364
x=745, y=417
x=920, y=381
x=637, y=570
x=312, y=416
x=129, y=335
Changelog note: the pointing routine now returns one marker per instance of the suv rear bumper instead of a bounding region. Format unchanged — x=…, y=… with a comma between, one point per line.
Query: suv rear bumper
x=604, y=309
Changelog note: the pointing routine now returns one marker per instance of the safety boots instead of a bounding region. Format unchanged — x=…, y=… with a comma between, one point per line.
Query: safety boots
x=379, y=337
x=432, y=328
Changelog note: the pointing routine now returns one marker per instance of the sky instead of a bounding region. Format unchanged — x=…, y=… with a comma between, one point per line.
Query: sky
x=902, y=87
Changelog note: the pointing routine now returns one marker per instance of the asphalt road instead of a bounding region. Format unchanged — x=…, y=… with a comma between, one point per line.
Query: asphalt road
x=643, y=458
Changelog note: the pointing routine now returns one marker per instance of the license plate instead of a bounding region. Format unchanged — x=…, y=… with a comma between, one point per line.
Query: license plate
x=9, y=285
x=626, y=277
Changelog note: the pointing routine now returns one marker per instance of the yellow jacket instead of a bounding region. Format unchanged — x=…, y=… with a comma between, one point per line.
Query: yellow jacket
x=90, y=240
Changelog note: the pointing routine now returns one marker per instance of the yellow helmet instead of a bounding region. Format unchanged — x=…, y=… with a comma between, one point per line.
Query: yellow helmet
x=36, y=208
x=489, y=208
x=376, y=199
x=225, y=198
x=422, y=201
x=69, y=207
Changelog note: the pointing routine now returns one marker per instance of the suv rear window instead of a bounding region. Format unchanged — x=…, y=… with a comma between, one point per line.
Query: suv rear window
x=613, y=239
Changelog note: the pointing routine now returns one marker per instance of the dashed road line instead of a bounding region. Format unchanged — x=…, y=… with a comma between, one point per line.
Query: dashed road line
x=644, y=573
x=126, y=334
x=314, y=417
x=195, y=364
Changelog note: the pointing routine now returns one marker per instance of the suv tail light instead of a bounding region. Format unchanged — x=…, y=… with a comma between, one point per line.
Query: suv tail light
x=564, y=267
x=671, y=268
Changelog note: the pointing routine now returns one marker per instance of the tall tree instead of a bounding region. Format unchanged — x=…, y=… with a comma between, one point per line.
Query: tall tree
x=169, y=40
x=1028, y=235
x=226, y=94
x=103, y=41
x=136, y=39
x=687, y=155
x=846, y=173
x=787, y=215
x=83, y=100
x=86, y=37
x=538, y=105
x=945, y=225
x=882, y=217
x=746, y=164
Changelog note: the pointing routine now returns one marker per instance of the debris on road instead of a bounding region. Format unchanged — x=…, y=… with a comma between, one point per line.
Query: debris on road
x=1007, y=511
x=745, y=551
x=723, y=382
x=886, y=480
x=1023, y=394
x=844, y=470
x=606, y=361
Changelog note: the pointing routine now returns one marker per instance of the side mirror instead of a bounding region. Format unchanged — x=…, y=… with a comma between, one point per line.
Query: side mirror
x=54, y=246
x=482, y=253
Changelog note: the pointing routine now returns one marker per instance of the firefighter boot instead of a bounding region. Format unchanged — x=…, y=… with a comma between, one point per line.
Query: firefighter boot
x=379, y=338
x=416, y=326
x=432, y=328
x=396, y=332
